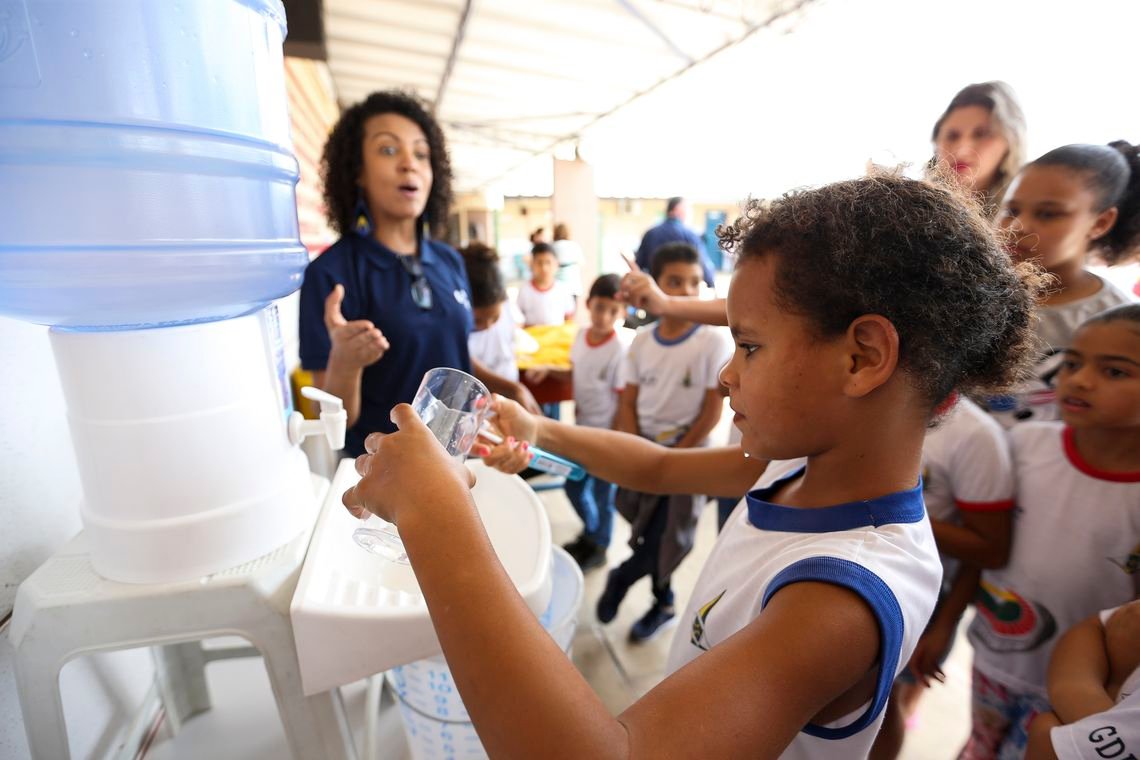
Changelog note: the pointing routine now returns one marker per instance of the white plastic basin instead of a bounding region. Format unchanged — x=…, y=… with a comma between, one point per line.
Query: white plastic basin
x=356, y=614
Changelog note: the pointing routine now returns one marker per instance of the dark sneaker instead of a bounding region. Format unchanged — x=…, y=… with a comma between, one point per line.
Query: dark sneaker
x=576, y=548
x=658, y=619
x=611, y=597
x=593, y=555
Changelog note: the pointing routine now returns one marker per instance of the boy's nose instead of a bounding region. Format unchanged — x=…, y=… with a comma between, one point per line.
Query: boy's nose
x=726, y=376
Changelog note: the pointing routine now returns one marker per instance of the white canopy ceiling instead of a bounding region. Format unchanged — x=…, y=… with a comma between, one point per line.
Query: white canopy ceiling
x=516, y=79
x=720, y=99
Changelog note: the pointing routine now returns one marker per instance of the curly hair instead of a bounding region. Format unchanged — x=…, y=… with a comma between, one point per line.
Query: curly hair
x=343, y=158
x=482, y=263
x=1112, y=172
x=1000, y=100
x=919, y=254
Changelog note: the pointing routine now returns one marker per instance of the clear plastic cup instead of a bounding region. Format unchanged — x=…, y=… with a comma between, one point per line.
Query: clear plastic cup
x=453, y=405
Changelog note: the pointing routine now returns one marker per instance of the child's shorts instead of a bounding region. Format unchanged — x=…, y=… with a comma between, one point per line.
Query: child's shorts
x=999, y=717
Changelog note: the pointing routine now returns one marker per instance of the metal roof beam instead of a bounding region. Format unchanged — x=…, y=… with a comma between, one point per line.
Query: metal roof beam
x=633, y=11
x=460, y=31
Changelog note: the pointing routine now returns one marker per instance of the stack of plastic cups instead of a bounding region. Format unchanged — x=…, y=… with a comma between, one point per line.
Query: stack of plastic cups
x=149, y=217
x=435, y=721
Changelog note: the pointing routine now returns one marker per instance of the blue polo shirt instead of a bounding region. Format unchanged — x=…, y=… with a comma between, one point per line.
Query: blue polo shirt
x=672, y=231
x=377, y=288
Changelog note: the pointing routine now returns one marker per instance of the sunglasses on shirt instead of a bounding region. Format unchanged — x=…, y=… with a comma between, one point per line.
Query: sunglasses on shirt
x=421, y=290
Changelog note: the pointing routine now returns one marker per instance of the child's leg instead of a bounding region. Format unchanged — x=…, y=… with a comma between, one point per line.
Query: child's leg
x=1017, y=738
x=888, y=744
x=993, y=709
x=581, y=497
x=643, y=562
x=662, y=612
x=604, y=507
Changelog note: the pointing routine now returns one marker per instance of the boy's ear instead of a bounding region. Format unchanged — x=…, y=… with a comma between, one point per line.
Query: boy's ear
x=873, y=351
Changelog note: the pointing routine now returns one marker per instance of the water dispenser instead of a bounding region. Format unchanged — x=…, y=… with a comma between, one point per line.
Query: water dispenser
x=149, y=218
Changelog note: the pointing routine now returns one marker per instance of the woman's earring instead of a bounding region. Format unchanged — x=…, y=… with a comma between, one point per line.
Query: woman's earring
x=362, y=221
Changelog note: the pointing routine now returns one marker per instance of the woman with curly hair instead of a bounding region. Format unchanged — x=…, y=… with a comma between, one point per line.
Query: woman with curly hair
x=980, y=139
x=856, y=308
x=386, y=303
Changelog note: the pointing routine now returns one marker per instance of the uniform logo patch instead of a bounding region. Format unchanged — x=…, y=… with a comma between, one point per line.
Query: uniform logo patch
x=699, y=638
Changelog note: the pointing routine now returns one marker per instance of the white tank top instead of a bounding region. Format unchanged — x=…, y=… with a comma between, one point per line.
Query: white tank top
x=882, y=549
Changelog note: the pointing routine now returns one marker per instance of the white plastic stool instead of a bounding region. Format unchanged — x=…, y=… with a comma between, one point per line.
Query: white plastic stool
x=65, y=609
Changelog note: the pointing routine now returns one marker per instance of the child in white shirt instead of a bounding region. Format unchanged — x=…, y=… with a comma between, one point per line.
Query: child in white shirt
x=492, y=342
x=544, y=300
x=1071, y=203
x=1094, y=688
x=672, y=397
x=1076, y=539
x=596, y=359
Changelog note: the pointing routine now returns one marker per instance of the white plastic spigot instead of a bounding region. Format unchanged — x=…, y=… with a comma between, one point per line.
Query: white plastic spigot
x=332, y=423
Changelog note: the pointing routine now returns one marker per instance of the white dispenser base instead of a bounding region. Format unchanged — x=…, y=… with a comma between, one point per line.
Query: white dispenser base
x=356, y=614
x=180, y=436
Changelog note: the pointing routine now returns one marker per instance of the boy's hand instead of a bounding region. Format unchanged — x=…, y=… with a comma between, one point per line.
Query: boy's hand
x=406, y=469
x=525, y=398
x=536, y=375
x=639, y=289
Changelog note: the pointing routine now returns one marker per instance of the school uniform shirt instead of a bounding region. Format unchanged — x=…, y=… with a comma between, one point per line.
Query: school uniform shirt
x=596, y=375
x=966, y=467
x=551, y=306
x=1110, y=735
x=1076, y=550
x=672, y=377
x=494, y=347
x=882, y=549
x=1035, y=399
x=377, y=288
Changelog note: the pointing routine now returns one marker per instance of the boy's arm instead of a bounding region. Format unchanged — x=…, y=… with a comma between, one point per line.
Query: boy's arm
x=537, y=375
x=711, y=409
x=639, y=289
x=626, y=418
x=1078, y=672
x=983, y=538
x=628, y=460
x=504, y=665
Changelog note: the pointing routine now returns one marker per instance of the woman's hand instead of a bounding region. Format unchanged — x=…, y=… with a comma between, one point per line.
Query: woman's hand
x=406, y=469
x=518, y=429
x=639, y=289
x=355, y=344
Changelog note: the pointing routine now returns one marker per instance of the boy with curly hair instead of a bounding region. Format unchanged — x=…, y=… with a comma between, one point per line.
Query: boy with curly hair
x=856, y=308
